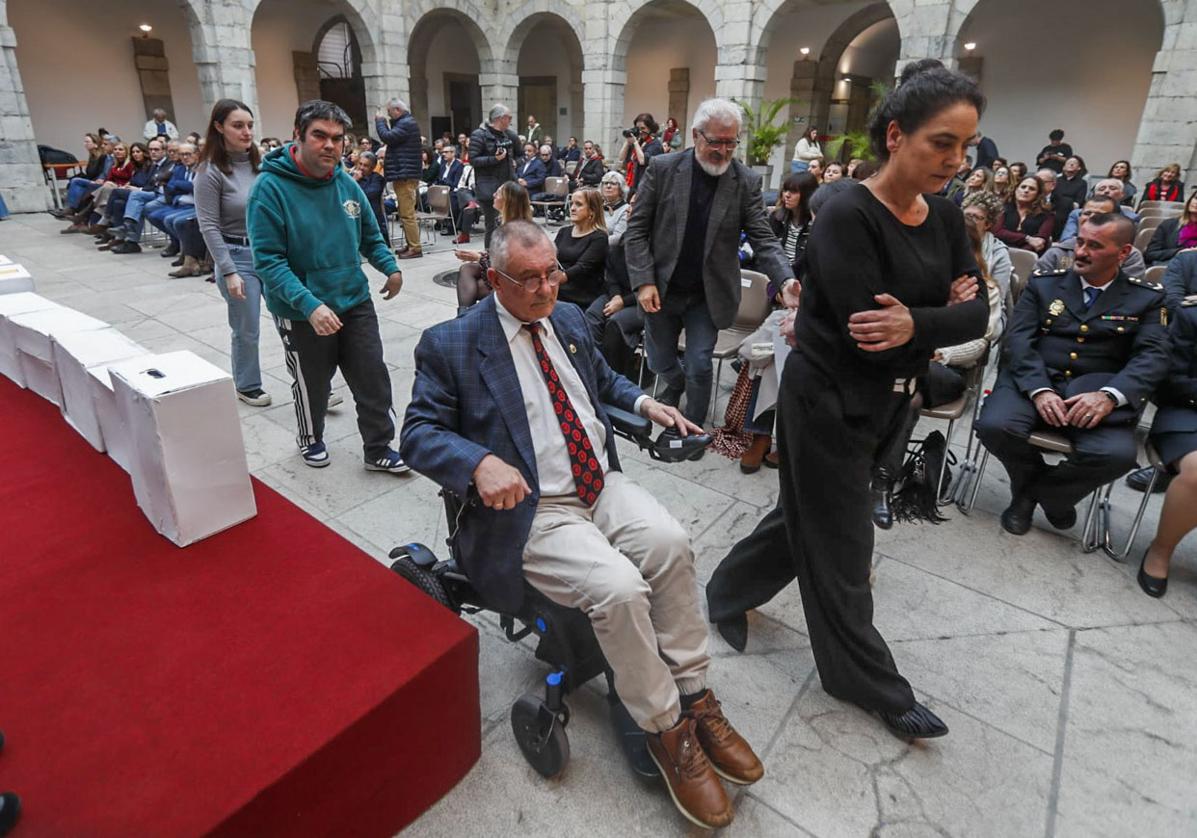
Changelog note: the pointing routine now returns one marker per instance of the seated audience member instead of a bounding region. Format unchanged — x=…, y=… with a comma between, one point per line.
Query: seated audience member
x=570, y=152
x=999, y=163
x=463, y=147
x=1018, y=171
x=953, y=189
x=1071, y=184
x=109, y=196
x=1174, y=235
x=979, y=180
x=1167, y=185
x=790, y=221
x=590, y=170
x=615, y=207
x=552, y=168
x=152, y=198
x=1180, y=280
x=512, y=204
x=816, y=168
x=1061, y=255
x=864, y=170
x=148, y=186
x=1058, y=205
x=160, y=126
x=467, y=205
x=1026, y=221
x=1002, y=184
x=191, y=248
x=1174, y=436
x=119, y=175
x=367, y=144
x=1085, y=349
x=582, y=249
x=178, y=201
x=1055, y=152
x=982, y=210
x=94, y=174
x=1106, y=188
x=1121, y=170
x=585, y=538
x=944, y=381
x=373, y=185
x=833, y=172
x=850, y=169
x=615, y=319
x=531, y=173
x=965, y=168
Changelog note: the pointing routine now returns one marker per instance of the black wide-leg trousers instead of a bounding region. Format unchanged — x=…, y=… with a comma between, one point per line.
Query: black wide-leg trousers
x=821, y=533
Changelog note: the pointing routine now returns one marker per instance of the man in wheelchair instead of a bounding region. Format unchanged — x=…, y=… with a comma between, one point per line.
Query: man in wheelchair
x=508, y=402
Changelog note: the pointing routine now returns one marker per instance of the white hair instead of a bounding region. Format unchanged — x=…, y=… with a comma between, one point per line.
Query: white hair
x=719, y=110
x=523, y=234
x=498, y=112
x=396, y=102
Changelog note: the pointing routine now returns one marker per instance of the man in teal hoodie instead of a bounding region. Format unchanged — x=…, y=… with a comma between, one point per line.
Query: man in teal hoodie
x=309, y=226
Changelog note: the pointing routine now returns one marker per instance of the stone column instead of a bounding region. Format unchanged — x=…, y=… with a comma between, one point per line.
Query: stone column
x=224, y=58
x=21, y=181
x=604, y=78
x=385, y=72
x=929, y=29
x=1168, y=128
x=679, y=98
x=802, y=111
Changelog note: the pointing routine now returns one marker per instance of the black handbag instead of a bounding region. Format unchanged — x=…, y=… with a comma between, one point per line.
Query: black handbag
x=916, y=497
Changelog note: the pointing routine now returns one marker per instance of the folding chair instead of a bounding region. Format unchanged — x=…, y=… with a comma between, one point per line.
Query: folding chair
x=1146, y=205
x=1024, y=264
x=1143, y=237
x=439, y=209
x=951, y=413
x=558, y=188
x=1156, y=274
x=1102, y=535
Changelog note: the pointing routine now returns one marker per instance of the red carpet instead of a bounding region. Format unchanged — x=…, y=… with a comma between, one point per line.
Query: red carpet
x=272, y=679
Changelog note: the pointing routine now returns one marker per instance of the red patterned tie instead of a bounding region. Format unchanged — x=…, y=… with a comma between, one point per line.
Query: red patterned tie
x=588, y=474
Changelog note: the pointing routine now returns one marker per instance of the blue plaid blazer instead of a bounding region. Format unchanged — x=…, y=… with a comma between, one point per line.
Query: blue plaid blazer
x=466, y=403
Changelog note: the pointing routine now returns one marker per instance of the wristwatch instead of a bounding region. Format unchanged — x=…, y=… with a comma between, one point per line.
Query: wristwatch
x=1111, y=397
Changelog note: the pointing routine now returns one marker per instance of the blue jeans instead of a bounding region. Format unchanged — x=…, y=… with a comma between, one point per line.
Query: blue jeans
x=695, y=374
x=797, y=166
x=172, y=218
x=78, y=189
x=139, y=204
x=244, y=320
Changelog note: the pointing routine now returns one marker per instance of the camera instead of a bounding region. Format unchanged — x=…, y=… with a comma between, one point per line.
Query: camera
x=630, y=132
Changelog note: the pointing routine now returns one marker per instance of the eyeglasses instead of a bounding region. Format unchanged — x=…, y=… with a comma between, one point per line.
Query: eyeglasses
x=554, y=278
x=719, y=143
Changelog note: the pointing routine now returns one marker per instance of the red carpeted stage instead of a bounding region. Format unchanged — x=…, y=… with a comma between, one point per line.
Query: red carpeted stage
x=272, y=679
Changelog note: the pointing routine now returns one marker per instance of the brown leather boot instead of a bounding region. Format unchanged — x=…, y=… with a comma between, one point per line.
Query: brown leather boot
x=692, y=783
x=191, y=267
x=750, y=462
x=730, y=754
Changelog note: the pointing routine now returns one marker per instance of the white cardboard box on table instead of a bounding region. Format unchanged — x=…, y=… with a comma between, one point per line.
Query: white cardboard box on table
x=190, y=475
x=33, y=333
x=13, y=277
x=10, y=306
x=75, y=353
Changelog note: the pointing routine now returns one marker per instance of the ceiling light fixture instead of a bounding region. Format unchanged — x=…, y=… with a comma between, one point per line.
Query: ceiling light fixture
x=970, y=46
x=805, y=50
x=146, y=29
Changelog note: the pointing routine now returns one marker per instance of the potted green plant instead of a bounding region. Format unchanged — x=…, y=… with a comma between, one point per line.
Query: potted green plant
x=764, y=132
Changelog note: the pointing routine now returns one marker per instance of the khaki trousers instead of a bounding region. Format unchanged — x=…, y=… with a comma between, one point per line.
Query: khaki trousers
x=628, y=564
x=405, y=197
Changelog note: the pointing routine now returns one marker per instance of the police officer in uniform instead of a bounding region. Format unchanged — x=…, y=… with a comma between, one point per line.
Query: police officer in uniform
x=1085, y=348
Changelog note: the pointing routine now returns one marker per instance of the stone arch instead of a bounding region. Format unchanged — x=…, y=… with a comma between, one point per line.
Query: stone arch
x=465, y=12
x=833, y=51
x=513, y=37
x=429, y=17
x=562, y=23
x=633, y=15
x=769, y=12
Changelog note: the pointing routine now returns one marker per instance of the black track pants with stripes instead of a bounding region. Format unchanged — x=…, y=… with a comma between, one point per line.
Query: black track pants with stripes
x=356, y=348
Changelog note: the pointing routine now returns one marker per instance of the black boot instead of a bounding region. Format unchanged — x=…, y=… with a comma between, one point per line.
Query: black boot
x=916, y=723
x=880, y=491
x=171, y=251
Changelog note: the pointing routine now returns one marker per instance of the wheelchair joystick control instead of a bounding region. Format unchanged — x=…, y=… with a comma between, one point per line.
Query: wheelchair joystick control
x=553, y=685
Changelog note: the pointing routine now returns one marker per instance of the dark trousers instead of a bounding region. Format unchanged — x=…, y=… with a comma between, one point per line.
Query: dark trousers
x=490, y=216
x=1100, y=455
x=821, y=534
x=116, y=206
x=357, y=349
x=191, y=240
x=696, y=372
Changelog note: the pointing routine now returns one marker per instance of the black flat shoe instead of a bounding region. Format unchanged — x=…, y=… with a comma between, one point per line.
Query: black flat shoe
x=1061, y=520
x=10, y=811
x=1140, y=478
x=1153, y=586
x=735, y=632
x=916, y=723
x=883, y=515
x=1016, y=520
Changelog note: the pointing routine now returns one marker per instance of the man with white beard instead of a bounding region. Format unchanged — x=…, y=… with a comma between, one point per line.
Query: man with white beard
x=682, y=246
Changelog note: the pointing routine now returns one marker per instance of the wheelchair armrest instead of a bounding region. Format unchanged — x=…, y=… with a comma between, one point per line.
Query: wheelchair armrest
x=628, y=424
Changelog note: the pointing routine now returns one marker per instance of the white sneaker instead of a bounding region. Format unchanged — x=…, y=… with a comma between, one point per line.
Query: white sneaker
x=255, y=398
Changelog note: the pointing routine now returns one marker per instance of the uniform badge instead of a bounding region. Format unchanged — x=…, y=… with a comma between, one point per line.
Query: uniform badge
x=352, y=208
x=1056, y=308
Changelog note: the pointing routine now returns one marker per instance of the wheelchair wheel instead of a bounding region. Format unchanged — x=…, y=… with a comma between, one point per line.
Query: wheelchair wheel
x=423, y=579
x=540, y=735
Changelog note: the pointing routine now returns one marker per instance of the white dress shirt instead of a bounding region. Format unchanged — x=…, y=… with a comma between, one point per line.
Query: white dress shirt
x=552, y=457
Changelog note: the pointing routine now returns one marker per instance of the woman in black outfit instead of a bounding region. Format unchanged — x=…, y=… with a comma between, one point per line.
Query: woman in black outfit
x=582, y=249
x=1027, y=222
x=890, y=276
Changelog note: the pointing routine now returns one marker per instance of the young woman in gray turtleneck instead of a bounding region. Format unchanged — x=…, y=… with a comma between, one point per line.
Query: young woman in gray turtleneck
x=226, y=172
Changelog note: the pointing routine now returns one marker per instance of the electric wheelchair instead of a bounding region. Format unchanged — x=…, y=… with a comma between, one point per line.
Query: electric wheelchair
x=565, y=639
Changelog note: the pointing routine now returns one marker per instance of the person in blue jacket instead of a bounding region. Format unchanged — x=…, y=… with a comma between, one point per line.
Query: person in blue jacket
x=400, y=132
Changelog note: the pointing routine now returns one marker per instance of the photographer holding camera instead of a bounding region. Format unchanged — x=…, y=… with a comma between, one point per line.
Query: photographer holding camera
x=492, y=149
x=639, y=146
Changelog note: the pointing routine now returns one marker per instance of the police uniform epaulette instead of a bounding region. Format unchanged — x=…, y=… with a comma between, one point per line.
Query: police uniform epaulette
x=1154, y=286
x=1190, y=300
x=1051, y=272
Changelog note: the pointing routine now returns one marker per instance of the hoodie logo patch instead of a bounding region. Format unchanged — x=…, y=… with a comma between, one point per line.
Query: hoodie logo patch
x=352, y=208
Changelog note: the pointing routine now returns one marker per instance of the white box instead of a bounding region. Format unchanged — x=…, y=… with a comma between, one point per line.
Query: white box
x=114, y=427
x=190, y=475
x=10, y=306
x=14, y=278
x=32, y=333
x=4, y=260
x=76, y=352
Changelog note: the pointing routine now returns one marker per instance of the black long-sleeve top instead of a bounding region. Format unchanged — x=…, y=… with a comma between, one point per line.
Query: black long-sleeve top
x=858, y=249
x=584, y=259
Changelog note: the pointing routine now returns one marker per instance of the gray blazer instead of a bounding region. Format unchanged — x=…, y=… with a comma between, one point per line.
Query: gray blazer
x=657, y=225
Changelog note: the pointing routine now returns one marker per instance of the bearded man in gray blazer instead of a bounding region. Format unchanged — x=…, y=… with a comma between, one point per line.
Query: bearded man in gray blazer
x=682, y=246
